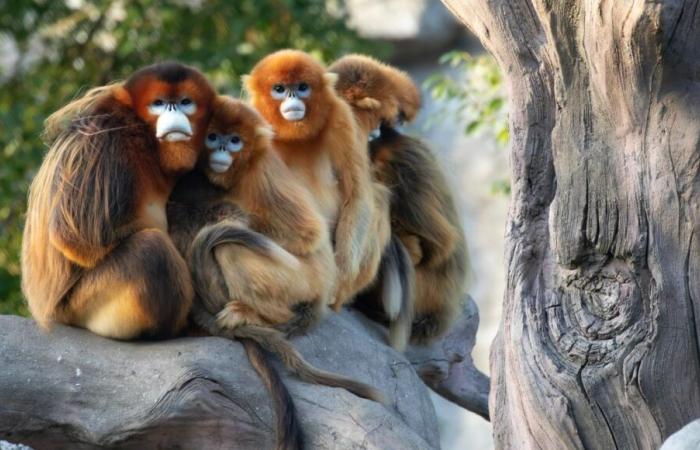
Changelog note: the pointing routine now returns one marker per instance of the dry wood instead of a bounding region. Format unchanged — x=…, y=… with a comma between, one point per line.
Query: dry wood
x=598, y=346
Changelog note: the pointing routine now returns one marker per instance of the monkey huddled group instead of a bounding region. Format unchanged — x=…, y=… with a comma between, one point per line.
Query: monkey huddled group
x=163, y=209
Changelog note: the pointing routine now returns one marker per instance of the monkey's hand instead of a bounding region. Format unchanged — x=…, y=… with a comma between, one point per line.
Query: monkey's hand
x=412, y=244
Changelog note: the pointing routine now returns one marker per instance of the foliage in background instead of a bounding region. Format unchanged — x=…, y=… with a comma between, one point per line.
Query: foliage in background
x=51, y=51
x=473, y=94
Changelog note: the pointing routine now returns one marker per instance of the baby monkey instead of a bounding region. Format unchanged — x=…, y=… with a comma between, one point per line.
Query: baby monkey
x=423, y=213
x=241, y=162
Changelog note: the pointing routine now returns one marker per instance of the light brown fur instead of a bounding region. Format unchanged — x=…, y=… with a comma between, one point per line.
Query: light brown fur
x=423, y=213
x=96, y=253
x=327, y=152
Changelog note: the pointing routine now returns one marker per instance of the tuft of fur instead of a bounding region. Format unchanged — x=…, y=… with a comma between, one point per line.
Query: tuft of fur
x=398, y=292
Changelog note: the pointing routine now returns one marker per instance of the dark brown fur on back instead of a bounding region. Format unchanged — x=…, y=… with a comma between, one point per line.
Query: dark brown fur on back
x=422, y=206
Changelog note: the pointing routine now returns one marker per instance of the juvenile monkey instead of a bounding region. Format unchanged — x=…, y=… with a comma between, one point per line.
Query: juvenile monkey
x=240, y=160
x=423, y=213
x=318, y=139
x=95, y=251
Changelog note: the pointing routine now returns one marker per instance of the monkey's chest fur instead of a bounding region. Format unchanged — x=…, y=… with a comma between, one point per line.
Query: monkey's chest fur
x=318, y=176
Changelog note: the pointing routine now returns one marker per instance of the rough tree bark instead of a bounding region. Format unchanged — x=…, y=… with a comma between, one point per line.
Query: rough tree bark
x=598, y=345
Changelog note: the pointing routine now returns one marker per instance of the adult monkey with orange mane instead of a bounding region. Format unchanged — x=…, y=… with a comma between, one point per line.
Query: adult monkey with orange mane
x=423, y=213
x=95, y=252
x=318, y=139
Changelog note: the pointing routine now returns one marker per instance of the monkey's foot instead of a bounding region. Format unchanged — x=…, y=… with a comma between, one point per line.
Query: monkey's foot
x=236, y=314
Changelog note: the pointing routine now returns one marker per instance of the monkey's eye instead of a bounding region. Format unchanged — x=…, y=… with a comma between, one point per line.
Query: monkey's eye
x=187, y=106
x=212, y=141
x=278, y=91
x=235, y=144
x=303, y=90
x=157, y=107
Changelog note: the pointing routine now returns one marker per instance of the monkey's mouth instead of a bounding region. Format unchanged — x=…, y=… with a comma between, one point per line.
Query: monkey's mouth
x=220, y=161
x=175, y=136
x=293, y=109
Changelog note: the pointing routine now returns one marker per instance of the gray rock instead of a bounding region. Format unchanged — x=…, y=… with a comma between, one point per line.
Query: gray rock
x=72, y=389
x=687, y=438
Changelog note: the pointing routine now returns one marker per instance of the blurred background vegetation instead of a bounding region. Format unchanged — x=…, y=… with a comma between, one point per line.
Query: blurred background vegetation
x=52, y=51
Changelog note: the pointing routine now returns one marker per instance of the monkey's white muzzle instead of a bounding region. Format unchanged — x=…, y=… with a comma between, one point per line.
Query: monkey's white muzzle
x=293, y=109
x=374, y=134
x=220, y=161
x=173, y=126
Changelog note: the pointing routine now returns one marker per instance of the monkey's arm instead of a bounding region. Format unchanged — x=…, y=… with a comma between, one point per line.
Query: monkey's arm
x=357, y=208
x=282, y=208
x=438, y=240
x=422, y=203
x=93, y=197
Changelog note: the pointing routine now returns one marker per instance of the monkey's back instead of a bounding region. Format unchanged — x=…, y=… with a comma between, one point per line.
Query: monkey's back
x=422, y=205
x=82, y=192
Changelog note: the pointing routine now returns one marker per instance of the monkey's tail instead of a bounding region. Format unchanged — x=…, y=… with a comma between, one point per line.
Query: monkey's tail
x=230, y=232
x=275, y=342
x=398, y=292
x=289, y=436
x=287, y=427
x=205, y=269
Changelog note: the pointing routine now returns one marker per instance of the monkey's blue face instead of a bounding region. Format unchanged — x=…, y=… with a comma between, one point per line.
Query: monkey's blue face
x=173, y=123
x=291, y=96
x=221, y=149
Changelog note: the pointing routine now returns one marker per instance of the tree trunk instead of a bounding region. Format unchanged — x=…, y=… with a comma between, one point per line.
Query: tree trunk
x=598, y=346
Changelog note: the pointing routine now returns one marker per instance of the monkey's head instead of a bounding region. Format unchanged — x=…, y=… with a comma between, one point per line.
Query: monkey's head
x=175, y=101
x=236, y=138
x=378, y=93
x=293, y=92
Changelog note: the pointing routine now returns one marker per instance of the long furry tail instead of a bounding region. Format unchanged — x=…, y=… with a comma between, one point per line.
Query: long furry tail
x=398, y=292
x=276, y=342
x=205, y=269
x=287, y=428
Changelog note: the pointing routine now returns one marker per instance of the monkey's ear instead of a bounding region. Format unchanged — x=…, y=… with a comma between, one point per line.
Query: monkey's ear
x=330, y=78
x=123, y=96
x=264, y=131
x=246, y=83
x=368, y=103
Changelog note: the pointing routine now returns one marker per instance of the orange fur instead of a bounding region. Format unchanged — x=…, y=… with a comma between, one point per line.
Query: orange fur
x=95, y=252
x=325, y=150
